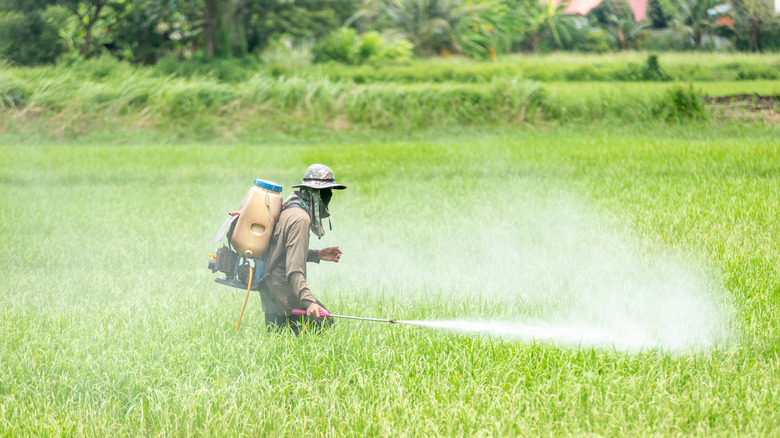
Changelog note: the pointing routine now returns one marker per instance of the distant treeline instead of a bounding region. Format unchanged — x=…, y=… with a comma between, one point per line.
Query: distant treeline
x=368, y=31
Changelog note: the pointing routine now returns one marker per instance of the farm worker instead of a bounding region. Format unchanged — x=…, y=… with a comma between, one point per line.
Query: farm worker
x=285, y=286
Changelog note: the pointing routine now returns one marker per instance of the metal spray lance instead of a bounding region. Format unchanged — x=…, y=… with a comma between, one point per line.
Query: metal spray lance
x=322, y=313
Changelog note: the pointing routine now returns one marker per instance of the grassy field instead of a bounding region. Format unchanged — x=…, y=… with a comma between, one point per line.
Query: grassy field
x=78, y=97
x=661, y=239
x=556, y=67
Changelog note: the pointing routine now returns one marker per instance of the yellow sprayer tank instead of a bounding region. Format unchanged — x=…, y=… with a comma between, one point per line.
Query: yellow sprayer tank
x=257, y=216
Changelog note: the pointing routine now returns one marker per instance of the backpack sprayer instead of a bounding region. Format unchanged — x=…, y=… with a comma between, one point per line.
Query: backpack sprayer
x=248, y=233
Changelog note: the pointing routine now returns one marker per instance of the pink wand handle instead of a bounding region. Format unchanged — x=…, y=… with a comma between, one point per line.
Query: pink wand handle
x=303, y=312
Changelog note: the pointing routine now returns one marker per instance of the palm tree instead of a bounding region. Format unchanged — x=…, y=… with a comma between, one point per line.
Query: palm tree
x=693, y=19
x=429, y=24
x=625, y=30
x=547, y=20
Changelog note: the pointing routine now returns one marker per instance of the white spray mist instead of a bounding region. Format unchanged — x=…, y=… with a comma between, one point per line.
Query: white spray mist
x=545, y=271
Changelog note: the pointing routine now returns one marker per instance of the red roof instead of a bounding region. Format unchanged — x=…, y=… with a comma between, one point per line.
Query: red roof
x=582, y=7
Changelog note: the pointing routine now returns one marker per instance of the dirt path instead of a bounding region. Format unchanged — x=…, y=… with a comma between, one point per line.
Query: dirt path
x=747, y=107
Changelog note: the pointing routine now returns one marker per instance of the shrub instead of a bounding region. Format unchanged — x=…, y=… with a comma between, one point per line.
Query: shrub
x=652, y=70
x=342, y=45
x=28, y=39
x=223, y=69
x=753, y=72
x=370, y=45
x=97, y=69
x=282, y=57
x=649, y=71
x=679, y=103
x=345, y=46
x=594, y=41
x=397, y=50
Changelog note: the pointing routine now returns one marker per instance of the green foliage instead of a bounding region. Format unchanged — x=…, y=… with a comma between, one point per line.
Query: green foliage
x=344, y=45
x=653, y=71
x=144, y=31
x=392, y=50
x=94, y=18
x=99, y=68
x=757, y=26
x=660, y=13
x=665, y=40
x=649, y=71
x=527, y=67
x=301, y=20
x=547, y=28
x=625, y=30
x=489, y=33
x=151, y=29
x=748, y=72
x=13, y=93
x=594, y=41
x=692, y=21
x=200, y=65
x=85, y=94
x=680, y=103
x=27, y=38
x=281, y=57
x=430, y=25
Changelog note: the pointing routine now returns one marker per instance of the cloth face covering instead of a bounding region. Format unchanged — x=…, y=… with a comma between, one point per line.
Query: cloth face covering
x=310, y=200
x=326, y=194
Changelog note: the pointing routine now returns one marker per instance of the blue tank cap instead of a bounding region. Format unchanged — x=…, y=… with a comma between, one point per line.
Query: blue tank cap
x=268, y=185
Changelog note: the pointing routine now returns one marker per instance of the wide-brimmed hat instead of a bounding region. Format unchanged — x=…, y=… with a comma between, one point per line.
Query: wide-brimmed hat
x=319, y=176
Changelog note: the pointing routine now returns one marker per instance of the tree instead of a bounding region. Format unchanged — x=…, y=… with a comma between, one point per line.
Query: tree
x=545, y=21
x=754, y=17
x=693, y=19
x=302, y=20
x=26, y=34
x=623, y=27
x=216, y=34
x=489, y=33
x=150, y=29
x=89, y=12
x=22, y=5
x=429, y=24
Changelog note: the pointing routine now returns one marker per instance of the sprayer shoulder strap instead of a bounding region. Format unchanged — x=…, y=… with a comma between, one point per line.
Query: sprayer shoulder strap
x=268, y=266
x=273, y=256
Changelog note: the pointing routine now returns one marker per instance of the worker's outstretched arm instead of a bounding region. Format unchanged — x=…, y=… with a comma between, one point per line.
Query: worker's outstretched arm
x=331, y=254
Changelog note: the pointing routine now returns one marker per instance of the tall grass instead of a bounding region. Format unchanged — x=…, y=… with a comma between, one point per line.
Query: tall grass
x=77, y=96
x=624, y=67
x=110, y=323
x=266, y=100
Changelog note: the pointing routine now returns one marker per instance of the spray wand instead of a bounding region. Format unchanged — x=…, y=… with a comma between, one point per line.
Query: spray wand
x=323, y=313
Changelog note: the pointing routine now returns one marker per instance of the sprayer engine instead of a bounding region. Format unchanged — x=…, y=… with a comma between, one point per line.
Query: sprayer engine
x=235, y=267
x=224, y=261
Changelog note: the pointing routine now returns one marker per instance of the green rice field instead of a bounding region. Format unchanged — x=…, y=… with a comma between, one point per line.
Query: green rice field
x=594, y=279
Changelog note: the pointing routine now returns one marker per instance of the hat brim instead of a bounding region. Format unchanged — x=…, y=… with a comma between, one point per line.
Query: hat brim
x=321, y=185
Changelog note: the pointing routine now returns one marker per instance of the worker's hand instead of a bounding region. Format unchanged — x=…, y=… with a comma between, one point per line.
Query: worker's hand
x=332, y=254
x=313, y=311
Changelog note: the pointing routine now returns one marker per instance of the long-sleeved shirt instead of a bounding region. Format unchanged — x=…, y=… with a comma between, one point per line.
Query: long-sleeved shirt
x=285, y=286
